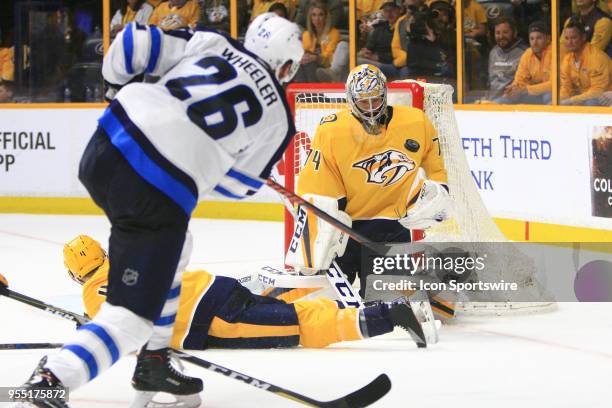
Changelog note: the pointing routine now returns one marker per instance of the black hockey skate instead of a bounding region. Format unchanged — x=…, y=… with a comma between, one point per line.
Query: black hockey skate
x=155, y=373
x=402, y=315
x=43, y=389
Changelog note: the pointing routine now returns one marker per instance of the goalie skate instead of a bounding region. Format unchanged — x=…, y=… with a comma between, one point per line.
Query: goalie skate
x=402, y=315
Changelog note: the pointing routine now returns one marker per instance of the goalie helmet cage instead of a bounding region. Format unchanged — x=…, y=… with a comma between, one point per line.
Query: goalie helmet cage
x=471, y=221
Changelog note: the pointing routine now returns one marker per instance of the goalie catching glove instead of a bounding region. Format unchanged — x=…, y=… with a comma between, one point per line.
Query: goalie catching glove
x=431, y=205
x=316, y=243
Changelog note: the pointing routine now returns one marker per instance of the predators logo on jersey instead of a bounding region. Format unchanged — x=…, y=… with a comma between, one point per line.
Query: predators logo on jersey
x=387, y=167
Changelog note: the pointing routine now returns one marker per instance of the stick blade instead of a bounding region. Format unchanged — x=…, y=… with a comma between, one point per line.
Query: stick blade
x=363, y=397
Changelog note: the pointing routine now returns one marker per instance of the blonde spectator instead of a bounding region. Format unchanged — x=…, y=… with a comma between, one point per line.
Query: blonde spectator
x=319, y=40
x=263, y=6
x=532, y=79
x=586, y=71
x=335, y=9
x=175, y=14
x=130, y=10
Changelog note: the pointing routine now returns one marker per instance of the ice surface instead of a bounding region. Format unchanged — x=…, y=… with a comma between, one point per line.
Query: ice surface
x=561, y=359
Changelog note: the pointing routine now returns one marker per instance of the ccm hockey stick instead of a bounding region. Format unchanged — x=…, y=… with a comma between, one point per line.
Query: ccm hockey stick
x=39, y=304
x=362, y=397
x=297, y=200
x=29, y=346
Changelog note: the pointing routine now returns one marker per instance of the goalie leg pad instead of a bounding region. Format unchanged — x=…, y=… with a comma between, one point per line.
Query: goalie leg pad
x=316, y=243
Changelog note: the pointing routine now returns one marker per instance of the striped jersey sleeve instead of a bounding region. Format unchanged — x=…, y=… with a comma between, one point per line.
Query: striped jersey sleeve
x=143, y=49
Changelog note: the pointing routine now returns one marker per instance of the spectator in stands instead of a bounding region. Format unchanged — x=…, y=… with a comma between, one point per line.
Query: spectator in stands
x=263, y=6
x=586, y=71
x=425, y=56
x=7, y=91
x=474, y=20
x=476, y=43
x=130, y=10
x=320, y=41
x=398, y=42
x=597, y=25
x=377, y=50
x=280, y=10
x=367, y=8
x=416, y=47
x=532, y=79
x=444, y=26
x=7, y=67
x=175, y=14
x=504, y=58
x=215, y=14
x=337, y=17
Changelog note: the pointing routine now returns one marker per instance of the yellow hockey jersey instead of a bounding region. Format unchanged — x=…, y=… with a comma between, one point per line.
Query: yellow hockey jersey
x=193, y=286
x=374, y=173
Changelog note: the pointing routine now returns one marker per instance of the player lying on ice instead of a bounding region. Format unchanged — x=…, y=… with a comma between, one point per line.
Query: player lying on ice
x=217, y=311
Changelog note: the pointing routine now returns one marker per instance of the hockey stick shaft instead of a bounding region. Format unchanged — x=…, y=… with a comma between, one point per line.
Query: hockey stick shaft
x=29, y=346
x=360, y=398
x=297, y=200
x=58, y=311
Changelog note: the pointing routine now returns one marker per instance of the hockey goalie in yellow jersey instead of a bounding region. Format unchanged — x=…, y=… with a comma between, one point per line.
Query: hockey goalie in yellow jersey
x=217, y=311
x=373, y=166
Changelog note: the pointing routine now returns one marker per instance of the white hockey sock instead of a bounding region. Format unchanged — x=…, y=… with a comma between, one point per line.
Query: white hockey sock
x=163, y=326
x=114, y=332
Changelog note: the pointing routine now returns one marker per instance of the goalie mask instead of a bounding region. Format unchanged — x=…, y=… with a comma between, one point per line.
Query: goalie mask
x=83, y=256
x=366, y=93
x=276, y=41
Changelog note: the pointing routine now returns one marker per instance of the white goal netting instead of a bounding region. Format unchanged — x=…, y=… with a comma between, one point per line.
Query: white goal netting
x=471, y=222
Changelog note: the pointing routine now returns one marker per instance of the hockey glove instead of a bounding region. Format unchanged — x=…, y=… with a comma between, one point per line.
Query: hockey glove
x=432, y=205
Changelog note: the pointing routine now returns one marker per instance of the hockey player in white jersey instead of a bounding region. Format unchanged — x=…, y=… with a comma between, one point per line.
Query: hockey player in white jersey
x=217, y=115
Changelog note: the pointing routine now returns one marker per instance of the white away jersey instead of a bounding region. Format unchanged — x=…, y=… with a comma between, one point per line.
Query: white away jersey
x=216, y=116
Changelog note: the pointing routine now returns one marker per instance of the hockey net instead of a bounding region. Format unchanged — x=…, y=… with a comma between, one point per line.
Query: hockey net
x=471, y=221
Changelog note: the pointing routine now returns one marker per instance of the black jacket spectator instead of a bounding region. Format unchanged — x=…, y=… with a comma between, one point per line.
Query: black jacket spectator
x=379, y=42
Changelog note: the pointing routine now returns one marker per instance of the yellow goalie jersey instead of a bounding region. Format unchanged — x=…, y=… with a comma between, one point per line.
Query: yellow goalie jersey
x=373, y=173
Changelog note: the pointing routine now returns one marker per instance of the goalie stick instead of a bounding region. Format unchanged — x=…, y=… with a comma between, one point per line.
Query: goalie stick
x=288, y=198
x=362, y=397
